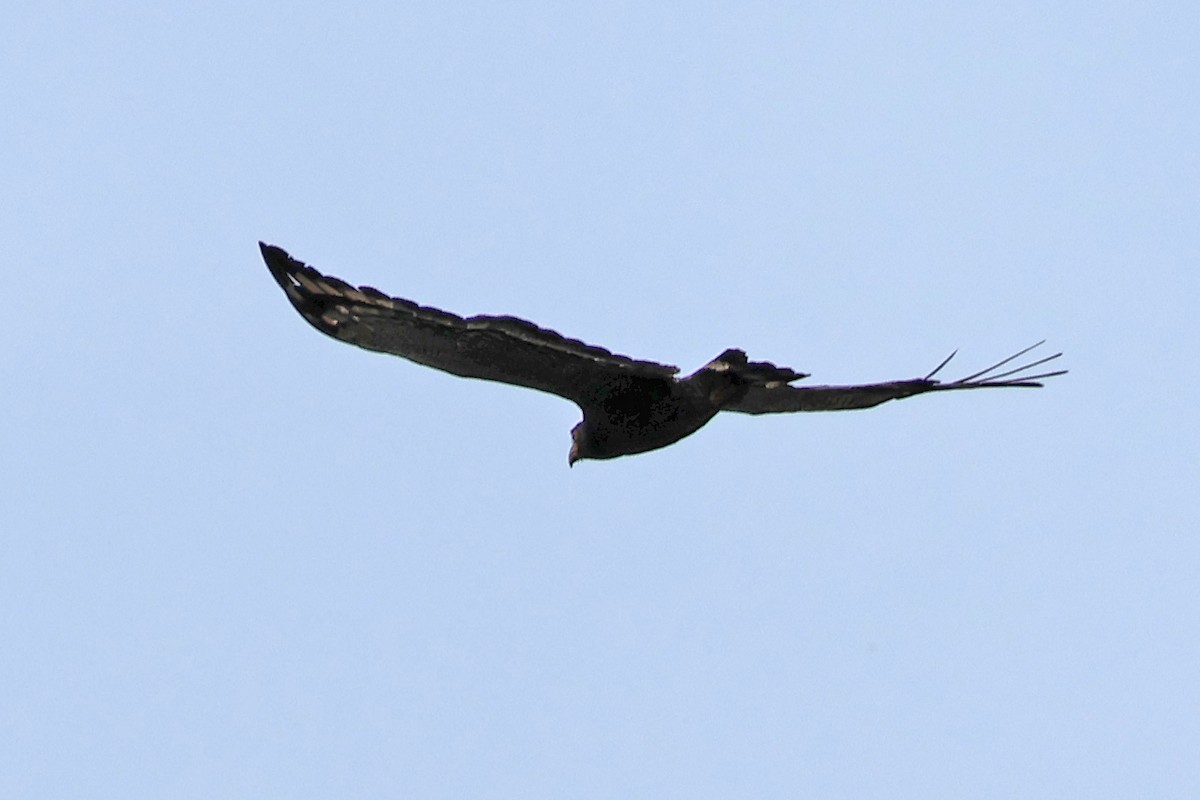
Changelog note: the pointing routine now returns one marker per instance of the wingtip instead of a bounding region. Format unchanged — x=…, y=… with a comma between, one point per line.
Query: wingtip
x=270, y=250
x=276, y=257
x=279, y=263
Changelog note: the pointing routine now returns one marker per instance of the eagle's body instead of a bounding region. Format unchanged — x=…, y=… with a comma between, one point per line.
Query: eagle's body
x=630, y=415
x=629, y=406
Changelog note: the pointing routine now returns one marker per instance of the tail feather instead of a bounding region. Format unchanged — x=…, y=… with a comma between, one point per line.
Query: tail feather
x=754, y=373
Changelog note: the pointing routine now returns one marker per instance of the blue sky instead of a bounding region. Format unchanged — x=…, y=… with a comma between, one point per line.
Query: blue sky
x=243, y=560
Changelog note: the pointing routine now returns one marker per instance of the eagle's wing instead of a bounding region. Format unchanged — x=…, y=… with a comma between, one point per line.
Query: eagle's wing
x=504, y=349
x=779, y=397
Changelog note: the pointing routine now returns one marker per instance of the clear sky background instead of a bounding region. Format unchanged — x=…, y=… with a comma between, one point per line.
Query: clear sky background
x=240, y=559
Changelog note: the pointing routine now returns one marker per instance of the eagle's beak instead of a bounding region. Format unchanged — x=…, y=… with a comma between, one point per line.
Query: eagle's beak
x=573, y=456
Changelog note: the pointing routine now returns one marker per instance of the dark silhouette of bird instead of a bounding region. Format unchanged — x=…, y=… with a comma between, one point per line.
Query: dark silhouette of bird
x=629, y=406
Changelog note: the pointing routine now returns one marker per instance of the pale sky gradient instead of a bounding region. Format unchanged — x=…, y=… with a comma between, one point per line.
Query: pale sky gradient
x=242, y=560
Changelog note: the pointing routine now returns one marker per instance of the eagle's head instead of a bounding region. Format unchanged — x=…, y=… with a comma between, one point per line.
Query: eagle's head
x=579, y=445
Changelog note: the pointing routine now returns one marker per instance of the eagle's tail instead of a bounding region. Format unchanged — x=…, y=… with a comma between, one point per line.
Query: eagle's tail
x=751, y=373
x=728, y=377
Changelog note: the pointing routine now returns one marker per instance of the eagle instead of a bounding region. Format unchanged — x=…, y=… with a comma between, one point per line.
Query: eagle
x=629, y=406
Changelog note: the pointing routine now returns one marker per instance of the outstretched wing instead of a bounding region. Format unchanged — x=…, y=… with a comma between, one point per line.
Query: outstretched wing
x=504, y=349
x=778, y=398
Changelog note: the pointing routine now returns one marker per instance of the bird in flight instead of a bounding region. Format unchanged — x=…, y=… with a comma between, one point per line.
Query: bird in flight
x=629, y=406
